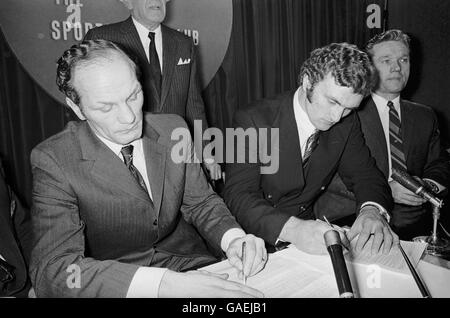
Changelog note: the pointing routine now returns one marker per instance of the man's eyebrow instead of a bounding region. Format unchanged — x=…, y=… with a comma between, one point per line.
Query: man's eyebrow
x=334, y=100
x=106, y=103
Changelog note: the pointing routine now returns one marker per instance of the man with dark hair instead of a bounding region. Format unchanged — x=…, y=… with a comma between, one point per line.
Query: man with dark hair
x=318, y=135
x=168, y=61
x=113, y=215
x=400, y=134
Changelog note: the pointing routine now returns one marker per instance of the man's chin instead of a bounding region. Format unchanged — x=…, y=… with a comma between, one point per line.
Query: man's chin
x=325, y=126
x=130, y=137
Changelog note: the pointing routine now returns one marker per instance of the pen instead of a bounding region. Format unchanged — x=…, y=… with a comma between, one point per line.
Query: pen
x=243, y=263
x=332, y=226
x=420, y=284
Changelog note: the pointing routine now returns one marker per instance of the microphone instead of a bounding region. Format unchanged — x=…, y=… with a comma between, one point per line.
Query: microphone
x=413, y=185
x=334, y=247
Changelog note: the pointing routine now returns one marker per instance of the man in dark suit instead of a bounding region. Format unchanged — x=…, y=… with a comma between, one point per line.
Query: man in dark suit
x=15, y=237
x=318, y=135
x=416, y=147
x=113, y=213
x=168, y=60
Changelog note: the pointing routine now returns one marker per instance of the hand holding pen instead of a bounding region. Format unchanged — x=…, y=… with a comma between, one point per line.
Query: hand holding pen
x=248, y=255
x=342, y=233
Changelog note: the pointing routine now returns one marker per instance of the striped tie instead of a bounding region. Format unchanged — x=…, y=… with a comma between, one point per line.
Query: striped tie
x=311, y=144
x=398, y=159
x=127, y=153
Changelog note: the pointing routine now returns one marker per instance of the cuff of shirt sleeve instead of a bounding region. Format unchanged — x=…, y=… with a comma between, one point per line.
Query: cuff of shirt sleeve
x=145, y=282
x=380, y=208
x=229, y=236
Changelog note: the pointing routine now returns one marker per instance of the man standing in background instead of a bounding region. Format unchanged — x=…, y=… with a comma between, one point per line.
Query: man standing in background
x=168, y=61
x=400, y=134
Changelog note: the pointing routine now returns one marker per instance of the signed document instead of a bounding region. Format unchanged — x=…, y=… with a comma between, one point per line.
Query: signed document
x=291, y=273
x=286, y=275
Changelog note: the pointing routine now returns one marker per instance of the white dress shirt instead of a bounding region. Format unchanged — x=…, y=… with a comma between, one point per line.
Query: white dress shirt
x=146, y=280
x=304, y=126
x=145, y=40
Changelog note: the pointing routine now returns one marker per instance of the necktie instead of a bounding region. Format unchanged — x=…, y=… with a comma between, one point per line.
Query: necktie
x=311, y=144
x=155, y=72
x=127, y=153
x=398, y=159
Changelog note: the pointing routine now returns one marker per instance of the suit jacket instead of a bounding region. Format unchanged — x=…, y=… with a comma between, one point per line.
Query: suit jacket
x=180, y=89
x=88, y=210
x=14, y=240
x=263, y=203
x=424, y=158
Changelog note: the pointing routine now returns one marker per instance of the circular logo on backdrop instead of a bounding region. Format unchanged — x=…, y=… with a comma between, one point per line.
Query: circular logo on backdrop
x=39, y=31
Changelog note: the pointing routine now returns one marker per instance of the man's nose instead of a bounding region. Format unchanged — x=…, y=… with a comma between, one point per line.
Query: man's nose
x=126, y=114
x=395, y=67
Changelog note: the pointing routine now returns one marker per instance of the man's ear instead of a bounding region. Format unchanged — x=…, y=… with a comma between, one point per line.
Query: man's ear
x=76, y=109
x=127, y=4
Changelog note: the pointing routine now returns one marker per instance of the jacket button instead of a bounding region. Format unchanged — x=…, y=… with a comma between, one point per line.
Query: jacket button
x=269, y=196
x=155, y=223
x=302, y=209
x=322, y=188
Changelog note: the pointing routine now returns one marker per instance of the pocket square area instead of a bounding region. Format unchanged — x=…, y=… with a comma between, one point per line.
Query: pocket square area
x=183, y=62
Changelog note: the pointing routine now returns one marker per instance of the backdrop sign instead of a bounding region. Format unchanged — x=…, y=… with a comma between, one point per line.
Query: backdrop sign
x=38, y=31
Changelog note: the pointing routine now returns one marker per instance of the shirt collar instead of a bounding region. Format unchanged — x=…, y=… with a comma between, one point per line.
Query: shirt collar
x=116, y=148
x=381, y=103
x=143, y=31
x=301, y=117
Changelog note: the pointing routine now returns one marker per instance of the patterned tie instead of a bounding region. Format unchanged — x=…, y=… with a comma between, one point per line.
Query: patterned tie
x=311, y=144
x=155, y=70
x=127, y=153
x=398, y=159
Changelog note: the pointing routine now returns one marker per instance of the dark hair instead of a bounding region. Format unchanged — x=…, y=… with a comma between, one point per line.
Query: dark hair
x=84, y=53
x=349, y=66
x=390, y=35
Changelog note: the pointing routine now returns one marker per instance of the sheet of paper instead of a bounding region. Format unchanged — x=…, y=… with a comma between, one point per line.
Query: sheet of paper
x=285, y=276
x=293, y=273
x=394, y=260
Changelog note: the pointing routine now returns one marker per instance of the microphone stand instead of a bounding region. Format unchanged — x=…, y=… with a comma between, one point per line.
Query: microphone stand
x=437, y=246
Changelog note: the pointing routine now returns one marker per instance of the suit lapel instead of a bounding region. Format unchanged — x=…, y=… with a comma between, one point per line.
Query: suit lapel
x=107, y=166
x=169, y=61
x=374, y=134
x=290, y=154
x=408, y=124
x=325, y=156
x=155, y=158
x=131, y=35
